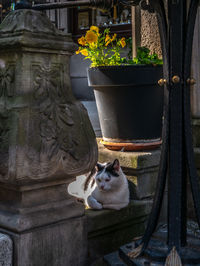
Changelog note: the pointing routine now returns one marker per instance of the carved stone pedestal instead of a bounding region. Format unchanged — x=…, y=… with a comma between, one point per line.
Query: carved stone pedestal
x=45, y=141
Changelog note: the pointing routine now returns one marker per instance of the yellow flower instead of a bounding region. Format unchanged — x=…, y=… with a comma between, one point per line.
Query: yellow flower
x=78, y=51
x=123, y=42
x=82, y=41
x=94, y=28
x=107, y=40
x=91, y=36
x=84, y=52
x=93, y=45
x=114, y=37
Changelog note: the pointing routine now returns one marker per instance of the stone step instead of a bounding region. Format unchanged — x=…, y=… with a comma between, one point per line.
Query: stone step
x=109, y=229
x=113, y=259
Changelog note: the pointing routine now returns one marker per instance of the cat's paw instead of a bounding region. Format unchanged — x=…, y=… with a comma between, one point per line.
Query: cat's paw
x=93, y=203
x=99, y=206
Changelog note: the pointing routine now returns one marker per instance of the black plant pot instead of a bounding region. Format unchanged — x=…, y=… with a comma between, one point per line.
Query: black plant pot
x=130, y=105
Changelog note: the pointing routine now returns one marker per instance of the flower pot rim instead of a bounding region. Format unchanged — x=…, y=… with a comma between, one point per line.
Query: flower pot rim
x=123, y=76
x=124, y=66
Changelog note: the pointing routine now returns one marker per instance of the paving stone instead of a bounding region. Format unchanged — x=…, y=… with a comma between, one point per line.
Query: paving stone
x=113, y=259
x=6, y=250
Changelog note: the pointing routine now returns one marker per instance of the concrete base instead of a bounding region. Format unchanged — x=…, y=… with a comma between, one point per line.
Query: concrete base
x=52, y=245
x=47, y=230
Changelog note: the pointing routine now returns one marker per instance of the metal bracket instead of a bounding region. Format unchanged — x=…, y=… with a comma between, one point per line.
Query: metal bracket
x=100, y=4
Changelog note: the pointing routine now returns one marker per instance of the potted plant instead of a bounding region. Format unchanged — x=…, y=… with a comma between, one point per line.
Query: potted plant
x=129, y=100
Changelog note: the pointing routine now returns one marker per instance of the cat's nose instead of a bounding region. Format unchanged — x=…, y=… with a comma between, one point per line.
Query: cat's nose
x=102, y=186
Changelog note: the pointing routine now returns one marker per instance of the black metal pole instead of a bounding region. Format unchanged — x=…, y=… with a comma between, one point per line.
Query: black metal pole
x=177, y=178
x=177, y=29
x=101, y=4
x=70, y=4
x=23, y=4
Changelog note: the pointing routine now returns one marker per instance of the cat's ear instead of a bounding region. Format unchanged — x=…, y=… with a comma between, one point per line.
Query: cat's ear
x=116, y=165
x=99, y=166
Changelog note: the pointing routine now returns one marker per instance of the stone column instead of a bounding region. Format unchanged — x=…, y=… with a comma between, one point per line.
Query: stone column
x=145, y=31
x=45, y=141
x=150, y=36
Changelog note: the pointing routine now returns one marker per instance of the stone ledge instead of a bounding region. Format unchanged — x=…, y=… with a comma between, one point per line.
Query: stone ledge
x=133, y=160
x=97, y=220
x=109, y=229
x=6, y=250
x=141, y=169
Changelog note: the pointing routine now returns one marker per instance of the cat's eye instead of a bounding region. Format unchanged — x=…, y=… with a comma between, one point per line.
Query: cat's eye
x=107, y=180
x=98, y=179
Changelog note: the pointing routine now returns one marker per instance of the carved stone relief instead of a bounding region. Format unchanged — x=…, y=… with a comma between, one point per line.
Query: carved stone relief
x=6, y=81
x=45, y=132
x=7, y=76
x=58, y=138
x=48, y=134
x=56, y=116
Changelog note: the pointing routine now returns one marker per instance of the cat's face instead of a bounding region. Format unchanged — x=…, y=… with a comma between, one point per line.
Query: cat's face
x=108, y=175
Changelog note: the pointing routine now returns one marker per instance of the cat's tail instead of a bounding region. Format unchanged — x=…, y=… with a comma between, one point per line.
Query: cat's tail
x=89, y=178
x=76, y=187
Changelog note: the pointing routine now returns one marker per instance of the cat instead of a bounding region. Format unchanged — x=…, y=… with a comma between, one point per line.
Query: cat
x=104, y=188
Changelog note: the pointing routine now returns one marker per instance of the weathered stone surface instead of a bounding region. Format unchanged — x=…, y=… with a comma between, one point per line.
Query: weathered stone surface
x=150, y=36
x=132, y=160
x=29, y=28
x=35, y=206
x=141, y=168
x=143, y=183
x=58, y=244
x=6, y=250
x=108, y=229
x=46, y=133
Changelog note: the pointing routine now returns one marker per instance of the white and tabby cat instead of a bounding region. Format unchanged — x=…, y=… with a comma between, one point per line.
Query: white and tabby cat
x=110, y=189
